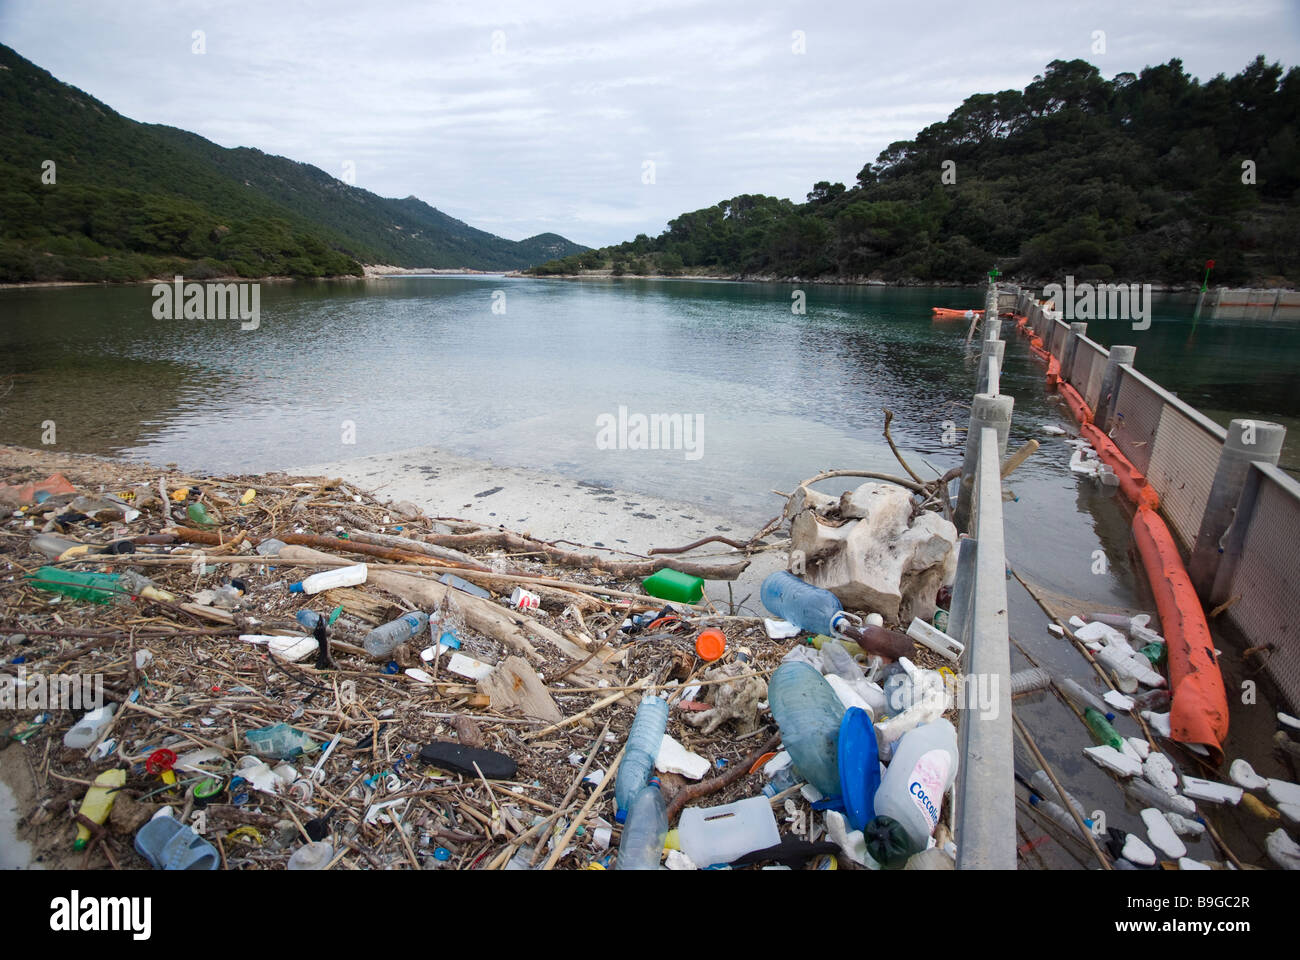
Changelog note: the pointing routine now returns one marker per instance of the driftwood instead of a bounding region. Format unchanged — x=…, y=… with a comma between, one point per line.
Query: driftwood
x=511, y=629
x=706, y=787
x=211, y=538
x=516, y=543
x=411, y=545
x=514, y=683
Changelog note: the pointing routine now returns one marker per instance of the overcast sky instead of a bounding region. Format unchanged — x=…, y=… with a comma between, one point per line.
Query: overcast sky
x=527, y=116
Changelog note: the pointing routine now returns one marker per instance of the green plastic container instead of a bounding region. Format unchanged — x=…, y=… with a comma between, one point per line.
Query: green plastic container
x=671, y=585
x=1102, y=730
x=1155, y=652
x=95, y=587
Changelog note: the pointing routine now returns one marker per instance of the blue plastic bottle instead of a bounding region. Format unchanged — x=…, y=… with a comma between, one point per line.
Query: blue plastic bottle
x=807, y=607
x=809, y=714
x=642, y=748
x=642, y=843
x=382, y=641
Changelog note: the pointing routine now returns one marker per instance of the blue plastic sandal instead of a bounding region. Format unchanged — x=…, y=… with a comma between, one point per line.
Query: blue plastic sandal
x=170, y=845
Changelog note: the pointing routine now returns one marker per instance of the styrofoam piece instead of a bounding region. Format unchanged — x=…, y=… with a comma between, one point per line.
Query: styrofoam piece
x=1112, y=759
x=418, y=675
x=676, y=860
x=1076, y=622
x=1243, y=775
x=1282, y=850
x=1187, y=863
x=292, y=649
x=1118, y=701
x=1162, y=835
x=1290, y=813
x=1183, y=826
x=1159, y=772
x=1057, y=629
x=1282, y=791
x=464, y=666
x=674, y=758
x=1211, y=792
x=1288, y=721
x=1129, y=750
x=1140, y=747
x=1096, y=630
x=1159, y=722
x=852, y=843
x=780, y=629
x=1135, y=851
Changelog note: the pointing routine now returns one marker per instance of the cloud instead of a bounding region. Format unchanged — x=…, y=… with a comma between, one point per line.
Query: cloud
x=524, y=117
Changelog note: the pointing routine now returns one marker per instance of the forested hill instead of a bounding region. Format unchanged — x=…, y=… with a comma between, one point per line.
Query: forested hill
x=1139, y=177
x=130, y=201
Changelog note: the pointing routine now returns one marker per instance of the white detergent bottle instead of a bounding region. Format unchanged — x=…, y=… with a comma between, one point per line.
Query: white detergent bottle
x=911, y=793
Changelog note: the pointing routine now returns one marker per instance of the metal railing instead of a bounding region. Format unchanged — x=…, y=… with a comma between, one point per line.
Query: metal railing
x=985, y=811
x=1235, y=515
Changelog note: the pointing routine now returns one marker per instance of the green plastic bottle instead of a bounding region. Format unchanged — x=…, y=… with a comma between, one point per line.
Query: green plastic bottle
x=95, y=587
x=819, y=639
x=199, y=514
x=672, y=585
x=1102, y=730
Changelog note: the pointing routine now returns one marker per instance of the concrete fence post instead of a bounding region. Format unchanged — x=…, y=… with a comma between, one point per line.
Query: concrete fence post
x=1248, y=441
x=990, y=350
x=985, y=411
x=992, y=324
x=1071, y=347
x=1109, y=392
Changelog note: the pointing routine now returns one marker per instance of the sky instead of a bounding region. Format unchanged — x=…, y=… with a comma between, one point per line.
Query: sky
x=600, y=120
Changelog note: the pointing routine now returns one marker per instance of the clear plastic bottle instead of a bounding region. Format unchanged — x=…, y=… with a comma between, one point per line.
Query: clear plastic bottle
x=911, y=792
x=809, y=714
x=382, y=641
x=807, y=607
x=1043, y=784
x=646, y=829
x=638, y=762
x=1086, y=697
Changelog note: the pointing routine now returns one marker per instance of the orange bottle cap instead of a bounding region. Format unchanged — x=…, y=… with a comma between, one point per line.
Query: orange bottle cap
x=711, y=644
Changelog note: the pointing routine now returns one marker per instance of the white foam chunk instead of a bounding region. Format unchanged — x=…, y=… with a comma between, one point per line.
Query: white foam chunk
x=1117, y=700
x=1282, y=791
x=1140, y=747
x=1162, y=835
x=1076, y=622
x=464, y=666
x=1112, y=759
x=1288, y=721
x=1159, y=772
x=1130, y=750
x=1282, y=850
x=674, y=758
x=780, y=629
x=1159, y=722
x=1211, y=792
x=1096, y=630
x=1187, y=863
x=1290, y=813
x=1135, y=851
x=1243, y=775
x=1057, y=629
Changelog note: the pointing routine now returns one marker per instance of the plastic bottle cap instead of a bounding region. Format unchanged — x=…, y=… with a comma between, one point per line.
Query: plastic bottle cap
x=442, y=853
x=295, y=587
x=711, y=644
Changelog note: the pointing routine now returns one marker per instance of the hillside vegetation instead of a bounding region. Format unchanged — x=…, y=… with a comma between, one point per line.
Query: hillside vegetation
x=1139, y=177
x=131, y=200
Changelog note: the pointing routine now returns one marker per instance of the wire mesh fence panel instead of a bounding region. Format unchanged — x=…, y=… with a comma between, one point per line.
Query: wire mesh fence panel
x=1137, y=415
x=1101, y=357
x=1184, y=459
x=1267, y=580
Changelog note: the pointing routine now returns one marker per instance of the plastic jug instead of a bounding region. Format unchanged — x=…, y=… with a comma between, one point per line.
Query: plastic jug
x=807, y=607
x=809, y=714
x=88, y=729
x=98, y=803
x=911, y=792
x=710, y=835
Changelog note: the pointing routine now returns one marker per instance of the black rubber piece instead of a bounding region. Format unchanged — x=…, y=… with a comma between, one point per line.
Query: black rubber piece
x=789, y=852
x=457, y=758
